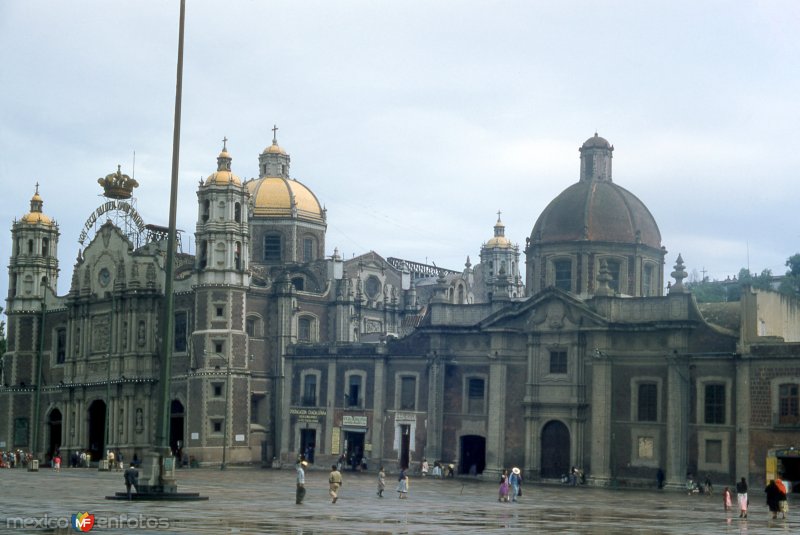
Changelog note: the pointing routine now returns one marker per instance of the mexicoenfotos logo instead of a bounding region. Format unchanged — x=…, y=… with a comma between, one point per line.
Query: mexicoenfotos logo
x=85, y=522
x=82, y=522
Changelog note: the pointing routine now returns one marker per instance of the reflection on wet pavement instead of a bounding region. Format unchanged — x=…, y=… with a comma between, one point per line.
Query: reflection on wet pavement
x=245, y=501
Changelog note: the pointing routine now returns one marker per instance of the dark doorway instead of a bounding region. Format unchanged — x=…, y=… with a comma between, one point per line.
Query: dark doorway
x=789, y=470
x=473, y=455
x=97, y=429
x=308, y=444
x=353, y=448
x=54, y=425
x=555, y=450
x=405, y=445
x=176, y=414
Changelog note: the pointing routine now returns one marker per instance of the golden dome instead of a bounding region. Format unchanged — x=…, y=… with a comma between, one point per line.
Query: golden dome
x=221, y=178
x=35, y=216
x=499, y=239
x=274, y=148
x=280, y=197
x=223, y=175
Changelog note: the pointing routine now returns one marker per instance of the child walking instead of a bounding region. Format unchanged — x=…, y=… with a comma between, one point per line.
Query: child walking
x=727, y=501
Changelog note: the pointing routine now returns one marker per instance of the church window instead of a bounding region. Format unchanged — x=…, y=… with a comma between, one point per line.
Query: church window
x=30, y=246
x=219, y=347
x=203, y=254
x=788, y=404
x=373, y=287
x=19, y=247
x=491, y=267
x=250, y=327
x=309, y=390
x=648, y=402
x=298, y=283
x=272, y=248
x=237, y=255
x=308, y=249
x=408, y=393
x=714, y=403
x=558, y=361
x=45, y=246
x=354, y=391
x=61, y=346
x=476, y=393
x=181, y=329
x=219, y=310
x=216, y=426
x=304, y=329
x=237, y=212
x=206, y=210
x=217, y=389
x=461, y=298
x=647, y=280
x=563, y=275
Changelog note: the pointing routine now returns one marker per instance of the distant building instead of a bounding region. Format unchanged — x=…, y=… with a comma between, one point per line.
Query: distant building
x=280, y=350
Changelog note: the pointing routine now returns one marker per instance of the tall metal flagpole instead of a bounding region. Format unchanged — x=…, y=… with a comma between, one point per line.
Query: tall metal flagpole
x=167, y=334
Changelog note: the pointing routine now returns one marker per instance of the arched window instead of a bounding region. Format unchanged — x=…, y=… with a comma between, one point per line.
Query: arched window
x=203, y=254
x=237, y=212
x=298, y=283
x=30, y=246
x=45, y=246
x=237, y=255
x=206, y=210
x=272, y=248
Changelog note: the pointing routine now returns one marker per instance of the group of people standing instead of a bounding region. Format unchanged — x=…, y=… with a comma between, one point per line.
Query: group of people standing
x=776, y=492
x=335, y=482
x=510, y=485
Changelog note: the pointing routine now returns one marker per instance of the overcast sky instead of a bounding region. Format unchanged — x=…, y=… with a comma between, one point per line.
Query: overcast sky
x=414, y=122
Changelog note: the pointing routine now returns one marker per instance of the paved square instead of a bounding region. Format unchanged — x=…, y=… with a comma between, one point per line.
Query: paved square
x=253, y=500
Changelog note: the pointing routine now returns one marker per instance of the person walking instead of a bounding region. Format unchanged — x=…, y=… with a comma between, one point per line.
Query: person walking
x=131, y=476
x=300, y=493
x=726, y=499
x=381, y=482
x=774, y=496
x=335, y=481
x=741, y=497
x=503, y=491
x=783, y=503
x=514, y=480
x=402, y=484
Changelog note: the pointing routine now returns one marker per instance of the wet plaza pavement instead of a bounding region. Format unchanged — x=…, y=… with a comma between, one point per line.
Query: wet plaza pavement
x=253, y=500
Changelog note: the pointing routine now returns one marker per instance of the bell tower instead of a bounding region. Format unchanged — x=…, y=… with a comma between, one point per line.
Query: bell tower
x=33, y=267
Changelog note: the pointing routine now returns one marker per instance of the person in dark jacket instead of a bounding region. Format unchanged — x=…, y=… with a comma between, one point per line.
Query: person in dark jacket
x=131, y=476
x=774, y=497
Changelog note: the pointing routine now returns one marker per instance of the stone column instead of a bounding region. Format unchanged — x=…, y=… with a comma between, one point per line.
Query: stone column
x=601, y=420
x=495, y=440
x=378, y=409
x=287, y=402
x=331, y=408
x=677, y=420
x=433, y=443
x=742, y=397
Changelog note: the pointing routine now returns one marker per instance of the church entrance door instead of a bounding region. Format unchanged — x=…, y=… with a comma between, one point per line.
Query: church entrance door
x=54, y=425
x=555, y=450
x=473, y=455
x=97, y=429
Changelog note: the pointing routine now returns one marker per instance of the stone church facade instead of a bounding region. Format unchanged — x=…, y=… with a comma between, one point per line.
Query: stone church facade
x=282, y=349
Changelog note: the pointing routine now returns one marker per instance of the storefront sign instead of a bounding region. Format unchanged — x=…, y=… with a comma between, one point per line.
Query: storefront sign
x=307, y=415
x=360, y=421
x=335, y=444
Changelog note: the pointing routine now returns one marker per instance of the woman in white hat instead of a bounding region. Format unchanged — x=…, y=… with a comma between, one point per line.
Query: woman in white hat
x=515, y=480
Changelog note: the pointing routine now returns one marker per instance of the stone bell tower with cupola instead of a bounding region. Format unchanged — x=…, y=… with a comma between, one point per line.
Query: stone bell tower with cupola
x=222, y=232
x=33, y=268
x=219, y=340
x=500, y=255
